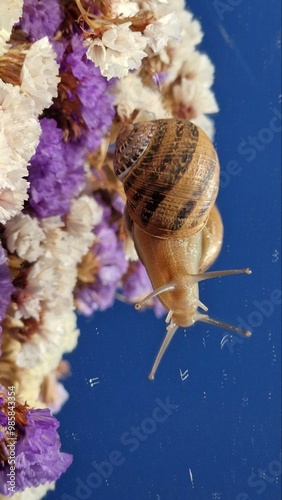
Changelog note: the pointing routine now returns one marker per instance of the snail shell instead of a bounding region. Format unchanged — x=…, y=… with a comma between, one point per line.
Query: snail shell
x=170, y=175
x=212, y=237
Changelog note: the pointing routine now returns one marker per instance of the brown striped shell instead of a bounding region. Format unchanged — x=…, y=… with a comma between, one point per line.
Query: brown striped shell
x=170, y=174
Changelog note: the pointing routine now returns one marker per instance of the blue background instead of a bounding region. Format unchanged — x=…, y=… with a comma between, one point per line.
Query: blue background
x=226, y=426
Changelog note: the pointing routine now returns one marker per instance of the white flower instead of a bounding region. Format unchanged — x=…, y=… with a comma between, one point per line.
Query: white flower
x=57, y=334
x=199, y=68
x=182, y=51
x=24, y=236
x=19, y=127
x=39, y=74
x=125, y=8
x=10, y=170
x=18, y=123
x=41, y=288
x=12, y=200
x=128, y=8
x=206, y=124
x=191, y=29
x=52, y=278
x=19, y=137
x=192, y=95
x=161, y=31
x=35, y=493
x=57, y=394
x=129, y=249
x=131, y=94
x=4, y=37
x=163, y=7
x=119, y=51
x=49, y=223
x=85, y=213
x=60, y=259
x=10, y=12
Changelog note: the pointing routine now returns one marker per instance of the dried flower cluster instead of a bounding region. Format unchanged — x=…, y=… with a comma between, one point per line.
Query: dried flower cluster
x=71, y=73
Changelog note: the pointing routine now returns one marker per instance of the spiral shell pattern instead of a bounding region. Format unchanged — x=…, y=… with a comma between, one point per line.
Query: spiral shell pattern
x=170, y=174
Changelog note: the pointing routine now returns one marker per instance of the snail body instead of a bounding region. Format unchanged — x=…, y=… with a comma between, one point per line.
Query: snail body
x=170, y=175
x=169, y=261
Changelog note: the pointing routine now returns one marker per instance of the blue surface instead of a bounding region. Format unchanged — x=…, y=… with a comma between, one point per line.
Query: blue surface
x=225, y=428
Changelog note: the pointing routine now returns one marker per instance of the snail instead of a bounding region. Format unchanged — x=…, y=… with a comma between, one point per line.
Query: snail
x=170, y=174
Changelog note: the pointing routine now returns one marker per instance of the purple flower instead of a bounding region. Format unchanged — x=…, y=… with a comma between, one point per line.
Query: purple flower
x=118, y=203
x=3, y=419
x=35, y=451
x=159, y=309
x=41, y=18
x=111, y=265
x=59, y=47
x=136, y=285
x=83, y=112
x=90, y=111
x=95, y=297
x=55, y=175
x=160, y=78
x=6, y=286
x=38, y=456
